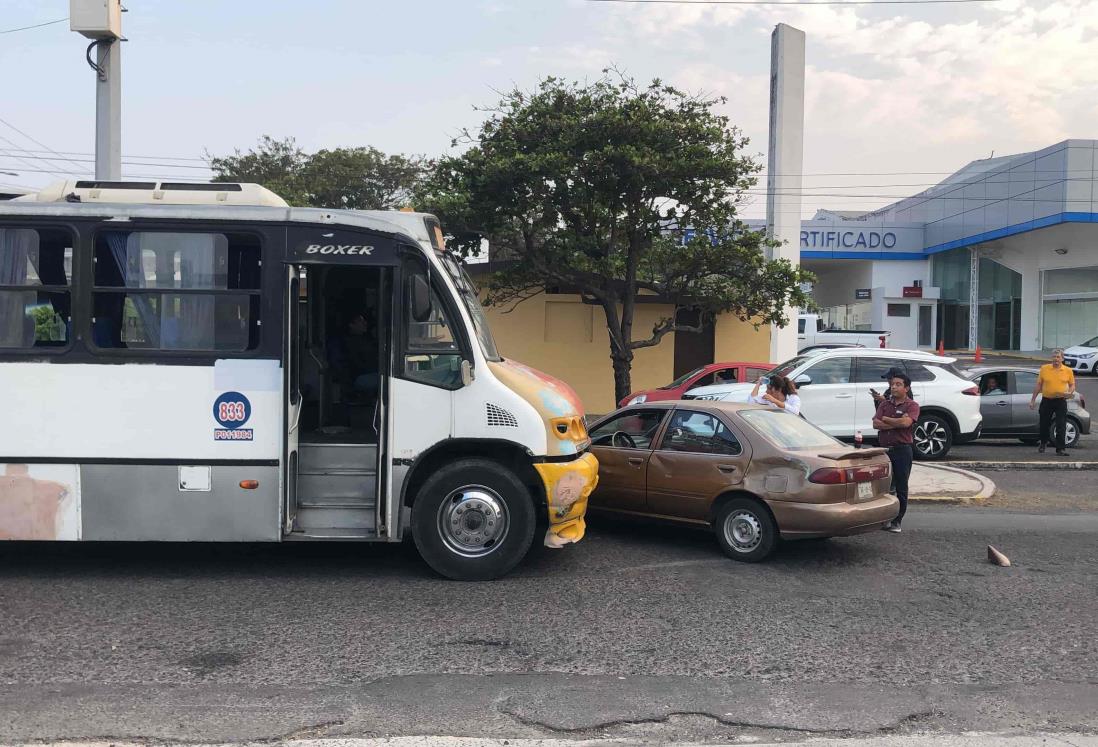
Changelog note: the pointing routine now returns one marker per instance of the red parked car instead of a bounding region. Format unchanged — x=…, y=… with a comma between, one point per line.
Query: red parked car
x=734, y=372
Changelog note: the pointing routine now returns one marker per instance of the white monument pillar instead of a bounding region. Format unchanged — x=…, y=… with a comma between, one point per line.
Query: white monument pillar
x=784, y=166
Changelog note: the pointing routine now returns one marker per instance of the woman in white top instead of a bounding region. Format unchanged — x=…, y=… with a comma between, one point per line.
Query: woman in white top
x=780, y=393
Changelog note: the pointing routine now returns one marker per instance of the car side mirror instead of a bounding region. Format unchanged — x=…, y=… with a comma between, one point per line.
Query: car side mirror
x=803, y=380
x=676, y=433
x=468, y=375
x=420, y=299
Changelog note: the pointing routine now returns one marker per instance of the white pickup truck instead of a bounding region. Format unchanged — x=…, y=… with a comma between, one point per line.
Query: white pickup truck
x=811, y=333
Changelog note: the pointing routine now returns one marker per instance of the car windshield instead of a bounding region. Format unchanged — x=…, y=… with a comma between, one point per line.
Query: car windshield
x=467, y=292
x=788, y=431
x=1091, y=343
x=683, y=379
x=787, y=367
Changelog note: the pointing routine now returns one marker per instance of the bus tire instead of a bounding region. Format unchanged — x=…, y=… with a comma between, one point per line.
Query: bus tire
x=473, y=520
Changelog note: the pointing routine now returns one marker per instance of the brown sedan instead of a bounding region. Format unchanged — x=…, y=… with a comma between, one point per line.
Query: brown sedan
x=753, y=474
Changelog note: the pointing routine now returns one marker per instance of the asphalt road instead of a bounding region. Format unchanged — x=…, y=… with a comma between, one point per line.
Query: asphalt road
x=644, y=632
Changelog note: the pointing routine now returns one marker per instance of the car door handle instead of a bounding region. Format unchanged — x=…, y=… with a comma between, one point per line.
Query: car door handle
x=1001, y=403
x=844, y=396
x=728, y=468
x=636, y=461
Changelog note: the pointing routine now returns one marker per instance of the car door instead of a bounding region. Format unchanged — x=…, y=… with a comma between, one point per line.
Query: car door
x=869, y=373
x=623, y=445
x=1022, y=419
x=827, y=397
x=698, y=457
x=996, y=409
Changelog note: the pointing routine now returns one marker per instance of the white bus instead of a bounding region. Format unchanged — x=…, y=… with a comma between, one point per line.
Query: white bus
x=200, y=362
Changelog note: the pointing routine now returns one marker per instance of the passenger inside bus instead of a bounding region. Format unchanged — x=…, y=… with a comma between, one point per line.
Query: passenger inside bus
x=341, y=354
x=353, y=357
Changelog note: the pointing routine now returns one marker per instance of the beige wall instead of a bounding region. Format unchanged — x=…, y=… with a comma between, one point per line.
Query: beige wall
x=563, y=337
x=740, y=341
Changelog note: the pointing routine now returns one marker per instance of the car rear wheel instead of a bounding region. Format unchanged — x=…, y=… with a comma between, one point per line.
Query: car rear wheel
x=933, y=438
x=1071, y=433
x=745, y=530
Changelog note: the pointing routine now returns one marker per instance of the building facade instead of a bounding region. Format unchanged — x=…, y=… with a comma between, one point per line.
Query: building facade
x=1003, y=253
x=559, y=334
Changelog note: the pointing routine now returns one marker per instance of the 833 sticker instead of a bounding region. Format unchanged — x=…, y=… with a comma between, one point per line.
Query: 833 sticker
x=232, y=410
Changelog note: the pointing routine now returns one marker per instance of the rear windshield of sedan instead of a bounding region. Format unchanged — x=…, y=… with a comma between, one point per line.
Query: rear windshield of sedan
x=787, y=431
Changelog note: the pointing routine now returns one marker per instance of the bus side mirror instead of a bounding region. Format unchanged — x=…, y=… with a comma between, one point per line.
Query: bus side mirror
x=421, y=299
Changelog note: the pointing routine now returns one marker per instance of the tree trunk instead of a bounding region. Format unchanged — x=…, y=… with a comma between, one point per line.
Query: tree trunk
x=623, y=384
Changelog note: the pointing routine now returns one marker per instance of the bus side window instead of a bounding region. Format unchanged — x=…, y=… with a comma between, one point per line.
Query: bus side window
x=35, y=288
x=432, y=354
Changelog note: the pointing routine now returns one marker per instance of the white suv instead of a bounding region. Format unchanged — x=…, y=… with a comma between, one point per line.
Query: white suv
x=834, y=389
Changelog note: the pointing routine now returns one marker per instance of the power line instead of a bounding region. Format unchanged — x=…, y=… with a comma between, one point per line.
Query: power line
x=88, y=153
x=131, y=163
x=23, y=160
x=35, y=26
x=36, y=142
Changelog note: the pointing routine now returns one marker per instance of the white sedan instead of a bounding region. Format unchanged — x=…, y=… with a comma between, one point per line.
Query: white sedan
x=1083, y=358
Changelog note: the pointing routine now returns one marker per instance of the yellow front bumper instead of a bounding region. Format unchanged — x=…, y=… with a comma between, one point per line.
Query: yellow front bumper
x=567, y=488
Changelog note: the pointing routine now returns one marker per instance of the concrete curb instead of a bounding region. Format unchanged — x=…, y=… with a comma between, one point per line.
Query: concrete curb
x=1000, y=466
x=987, y=487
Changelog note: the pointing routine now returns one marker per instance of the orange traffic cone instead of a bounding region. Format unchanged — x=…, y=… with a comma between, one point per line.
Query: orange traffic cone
x=941, y=347
x=979, y=356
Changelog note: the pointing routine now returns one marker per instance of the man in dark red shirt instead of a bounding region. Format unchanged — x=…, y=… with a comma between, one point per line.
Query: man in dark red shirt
x=895, y=422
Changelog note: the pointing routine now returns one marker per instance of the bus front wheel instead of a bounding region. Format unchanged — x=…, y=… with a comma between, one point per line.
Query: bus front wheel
x=473, y=520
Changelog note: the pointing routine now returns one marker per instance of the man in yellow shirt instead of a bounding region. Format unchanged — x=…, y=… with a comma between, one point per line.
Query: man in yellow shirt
x=1056, y=385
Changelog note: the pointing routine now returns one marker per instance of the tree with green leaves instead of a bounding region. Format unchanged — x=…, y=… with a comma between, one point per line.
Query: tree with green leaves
x=601, y=188
x=356, y=178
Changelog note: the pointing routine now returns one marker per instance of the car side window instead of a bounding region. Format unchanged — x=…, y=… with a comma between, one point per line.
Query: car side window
x=994, y=384
x=754, y=373
x=918, y=372
x=699, y=433
x=872, y=370
x=632, y=429
x=1024, y=382
x=830, y=371
x=704, y=380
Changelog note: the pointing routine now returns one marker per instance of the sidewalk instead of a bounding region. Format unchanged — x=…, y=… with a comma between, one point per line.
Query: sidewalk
x=932, y=483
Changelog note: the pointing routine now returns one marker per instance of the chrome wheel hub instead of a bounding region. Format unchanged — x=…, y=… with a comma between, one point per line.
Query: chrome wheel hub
x=743, y=530
x=473, y=521
x=930, y=438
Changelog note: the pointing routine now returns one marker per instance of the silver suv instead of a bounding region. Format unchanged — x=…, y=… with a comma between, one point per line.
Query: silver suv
x=834, y=389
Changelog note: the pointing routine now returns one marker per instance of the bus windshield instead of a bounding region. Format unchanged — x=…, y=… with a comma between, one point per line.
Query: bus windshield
x=468, y=294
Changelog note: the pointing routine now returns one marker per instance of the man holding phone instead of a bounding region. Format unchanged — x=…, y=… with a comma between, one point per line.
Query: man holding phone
x=1056, y=385
x=895, y=421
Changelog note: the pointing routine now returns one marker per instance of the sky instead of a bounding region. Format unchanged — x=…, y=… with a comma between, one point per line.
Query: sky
x=898, y=96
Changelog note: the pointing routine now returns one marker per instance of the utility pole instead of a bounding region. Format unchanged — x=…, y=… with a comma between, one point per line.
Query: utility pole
x=101, y=21
x=784, y=166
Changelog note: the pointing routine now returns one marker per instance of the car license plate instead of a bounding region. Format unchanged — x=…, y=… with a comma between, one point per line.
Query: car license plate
x=865, y=491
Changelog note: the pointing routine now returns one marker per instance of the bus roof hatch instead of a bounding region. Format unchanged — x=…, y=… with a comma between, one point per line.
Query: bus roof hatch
x=157, y=193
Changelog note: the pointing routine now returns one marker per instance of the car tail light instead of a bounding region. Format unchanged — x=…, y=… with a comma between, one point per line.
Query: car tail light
x=828, y=476
x=844, y=475
x=972, y=391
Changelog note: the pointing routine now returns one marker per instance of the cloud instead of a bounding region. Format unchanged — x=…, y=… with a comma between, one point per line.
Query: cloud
x=888, y=89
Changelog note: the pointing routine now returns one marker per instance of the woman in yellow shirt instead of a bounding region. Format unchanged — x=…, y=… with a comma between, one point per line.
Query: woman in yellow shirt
x=1056, y=385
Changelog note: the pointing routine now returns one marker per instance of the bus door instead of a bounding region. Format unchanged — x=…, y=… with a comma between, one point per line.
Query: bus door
x=291, y=357
x=338, y=353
